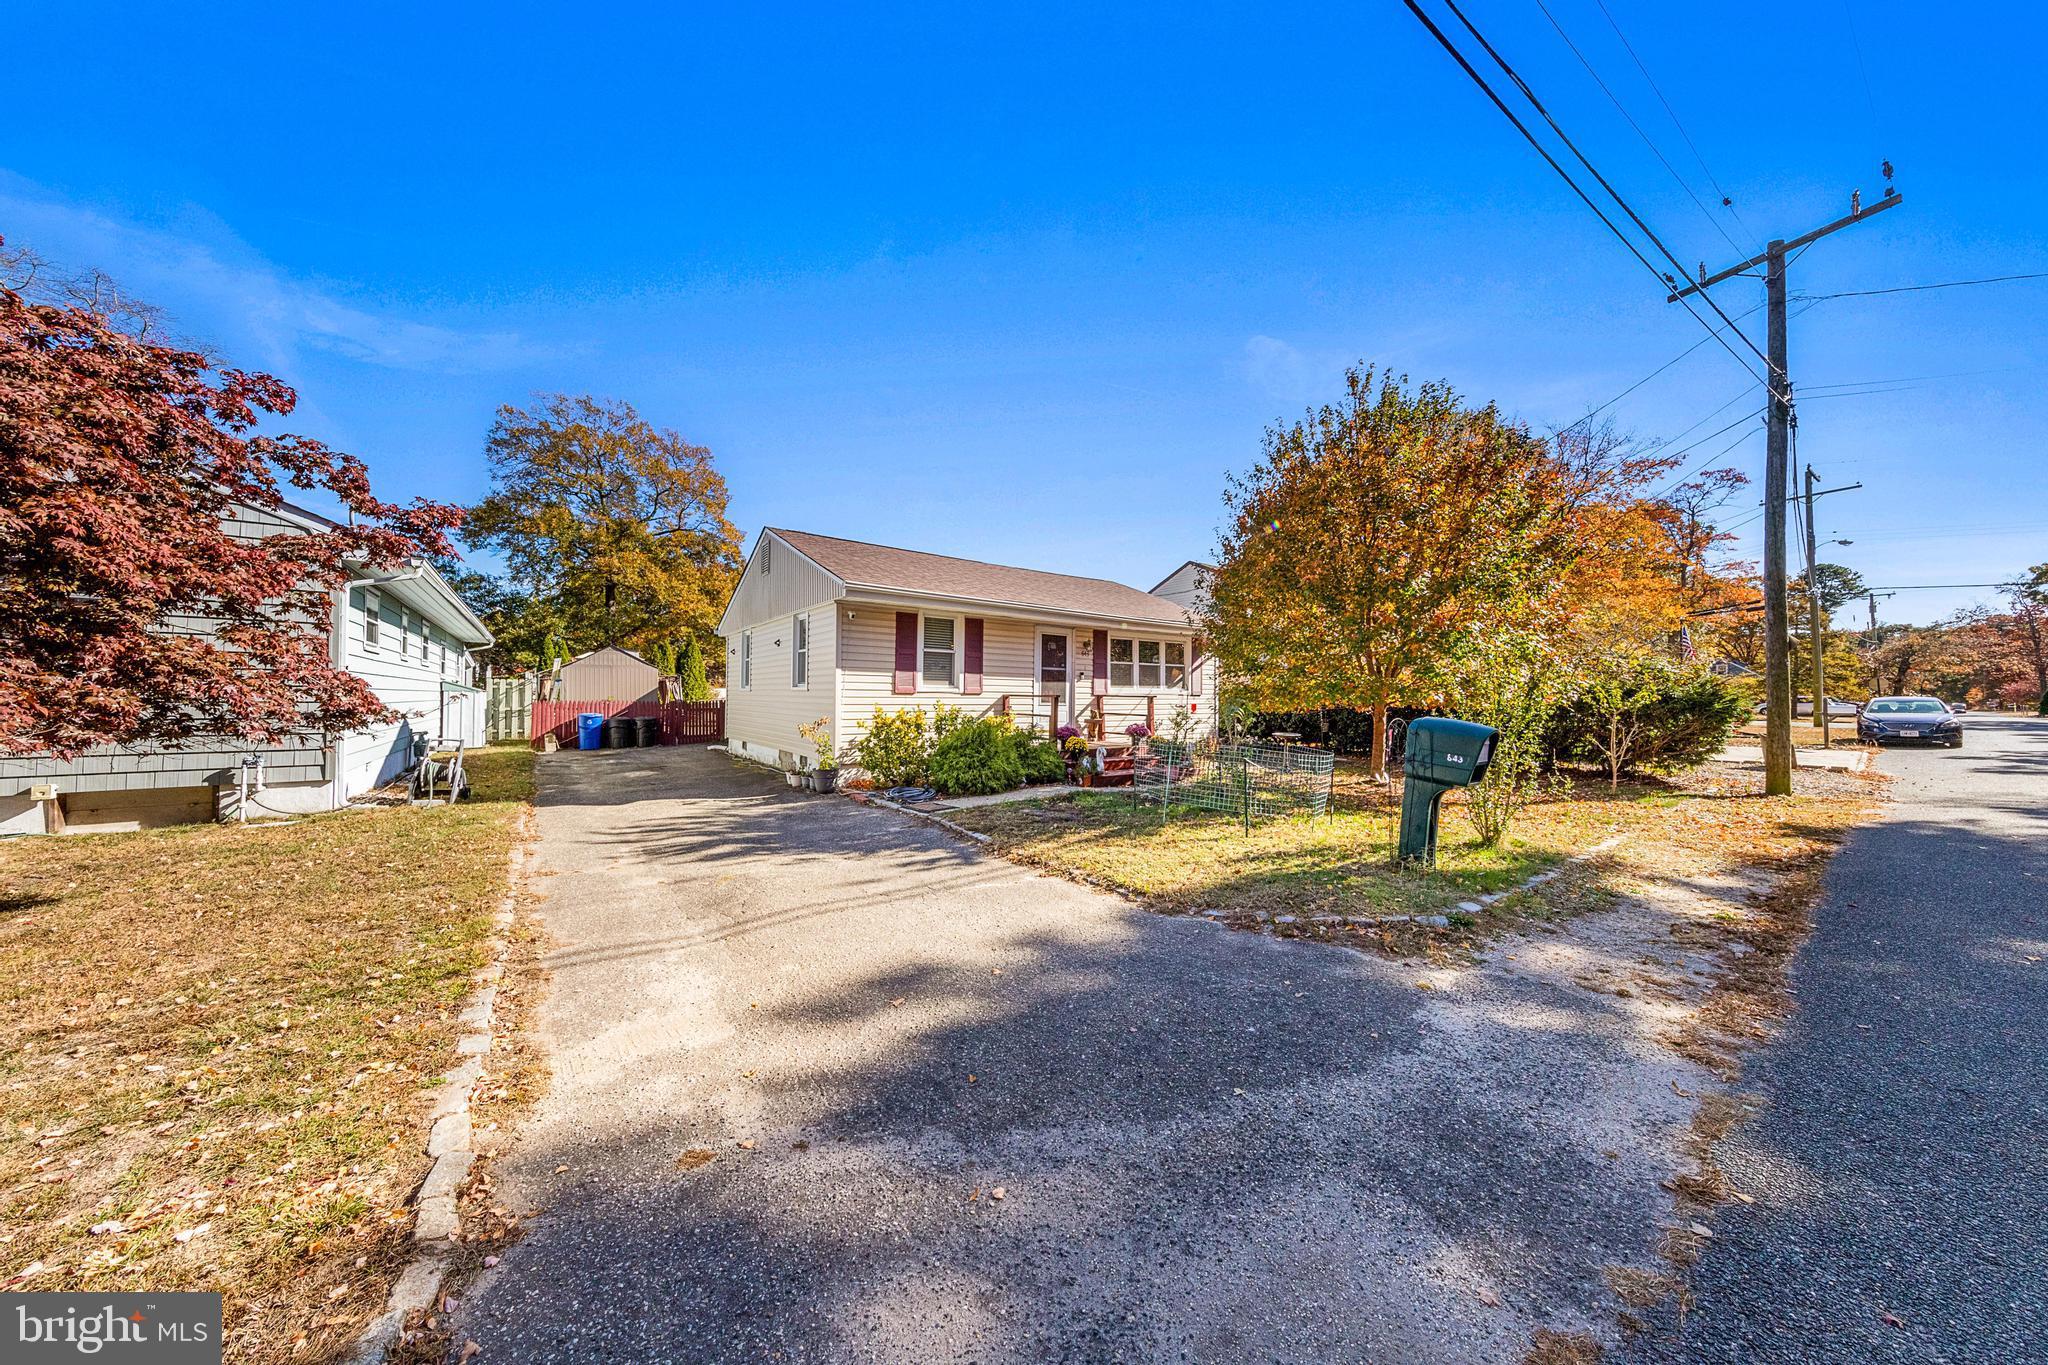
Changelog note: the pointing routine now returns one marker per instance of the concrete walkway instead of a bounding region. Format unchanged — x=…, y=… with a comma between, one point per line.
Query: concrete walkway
x=957, y=1111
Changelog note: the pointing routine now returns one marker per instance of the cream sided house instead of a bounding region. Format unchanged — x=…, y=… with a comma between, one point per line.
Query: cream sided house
x=400, y=628
x=820, y=627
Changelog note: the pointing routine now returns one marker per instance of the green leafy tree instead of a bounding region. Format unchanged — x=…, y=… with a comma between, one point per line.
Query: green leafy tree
x=1835, y=585
x=691, y=684
x=1513, y=680
x=614, y=531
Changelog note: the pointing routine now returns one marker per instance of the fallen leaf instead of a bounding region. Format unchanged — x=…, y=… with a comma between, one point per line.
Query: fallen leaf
x=897, y=1001
x=560, y=1170
x=1892, y=1320
x=1675, y=1088
x=490, y=1261
x=694, y=1158
x=746, y=1144
x=997, y=1193
x=470, y=1348
x=1488, y=1297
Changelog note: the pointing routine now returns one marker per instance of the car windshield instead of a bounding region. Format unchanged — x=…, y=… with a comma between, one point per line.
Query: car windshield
x=1908, y=707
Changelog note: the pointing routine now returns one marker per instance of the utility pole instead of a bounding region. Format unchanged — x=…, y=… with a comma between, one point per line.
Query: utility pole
x=1777, y=642
x=1819, y=629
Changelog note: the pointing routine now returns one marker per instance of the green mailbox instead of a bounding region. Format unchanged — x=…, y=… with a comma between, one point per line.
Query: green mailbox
x=1441, y=754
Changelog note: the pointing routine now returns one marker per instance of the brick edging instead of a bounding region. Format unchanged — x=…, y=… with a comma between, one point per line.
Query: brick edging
x=437, y=1215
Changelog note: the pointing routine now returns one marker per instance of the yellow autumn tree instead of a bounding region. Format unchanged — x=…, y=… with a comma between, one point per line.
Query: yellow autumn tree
x=612, y=531
x=1379, y=533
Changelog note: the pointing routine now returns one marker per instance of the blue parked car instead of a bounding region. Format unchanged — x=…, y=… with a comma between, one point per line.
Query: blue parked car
x=1909, y=720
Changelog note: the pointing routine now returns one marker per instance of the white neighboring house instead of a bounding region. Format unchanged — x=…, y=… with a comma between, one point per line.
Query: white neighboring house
x=401, y=629
x=1187, y=586
x=820, y=627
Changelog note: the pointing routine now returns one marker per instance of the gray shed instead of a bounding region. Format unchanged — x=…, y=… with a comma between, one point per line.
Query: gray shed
x=609, y=674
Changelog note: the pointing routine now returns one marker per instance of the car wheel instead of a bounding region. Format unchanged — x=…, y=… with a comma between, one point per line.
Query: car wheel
x=1956, y=743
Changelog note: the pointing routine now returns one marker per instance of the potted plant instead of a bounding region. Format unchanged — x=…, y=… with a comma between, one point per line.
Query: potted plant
x=1073, y=748
x=1141, y=735
x=825, y=777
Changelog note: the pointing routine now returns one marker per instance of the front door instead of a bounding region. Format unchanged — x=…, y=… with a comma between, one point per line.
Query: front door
x=1056, y=673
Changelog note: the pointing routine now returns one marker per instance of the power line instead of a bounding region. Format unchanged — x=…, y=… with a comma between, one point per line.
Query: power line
x=1916, y=288
x=1727, y=200
x=1614, y=194
x=1746, y=417
x=1655, y=150
x=1659, y=370
x=1544, y=152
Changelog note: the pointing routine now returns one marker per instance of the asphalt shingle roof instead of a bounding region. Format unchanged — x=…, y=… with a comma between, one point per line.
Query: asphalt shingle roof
x=885, y=567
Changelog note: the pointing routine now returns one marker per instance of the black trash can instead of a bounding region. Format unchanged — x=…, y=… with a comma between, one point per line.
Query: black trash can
x=649, y=730
x=619, y=733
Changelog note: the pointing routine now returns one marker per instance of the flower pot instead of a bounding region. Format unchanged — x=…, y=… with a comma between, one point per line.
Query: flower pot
x=794, y=778
x=825, y=780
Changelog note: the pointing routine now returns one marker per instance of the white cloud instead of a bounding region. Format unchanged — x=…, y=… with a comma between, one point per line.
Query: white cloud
x=216, y=286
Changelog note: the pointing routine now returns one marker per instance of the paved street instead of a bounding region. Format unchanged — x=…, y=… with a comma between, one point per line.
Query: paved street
x=1901, y=1170
x=1210, y=1146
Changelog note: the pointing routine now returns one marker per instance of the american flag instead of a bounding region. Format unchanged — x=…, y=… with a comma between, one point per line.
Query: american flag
x=1686, y=649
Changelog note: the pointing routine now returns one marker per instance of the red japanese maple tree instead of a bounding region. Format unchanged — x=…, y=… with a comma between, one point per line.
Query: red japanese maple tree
x=128, y=613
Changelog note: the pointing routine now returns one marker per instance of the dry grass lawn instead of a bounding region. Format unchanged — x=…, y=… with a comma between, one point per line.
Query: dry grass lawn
x=215, y=1048
x=1693, y=828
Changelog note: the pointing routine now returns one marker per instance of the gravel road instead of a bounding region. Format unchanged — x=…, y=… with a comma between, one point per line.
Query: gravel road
x=1209, y=1145
x=1901, y=1170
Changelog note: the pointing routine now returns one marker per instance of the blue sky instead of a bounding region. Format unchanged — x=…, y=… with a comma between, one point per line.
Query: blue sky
x=1025, y=285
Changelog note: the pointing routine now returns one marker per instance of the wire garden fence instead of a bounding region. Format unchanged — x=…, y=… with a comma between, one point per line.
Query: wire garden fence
x=1250, y=781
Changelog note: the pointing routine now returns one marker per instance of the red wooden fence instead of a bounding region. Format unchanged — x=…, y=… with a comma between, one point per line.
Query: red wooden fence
x=682, y=722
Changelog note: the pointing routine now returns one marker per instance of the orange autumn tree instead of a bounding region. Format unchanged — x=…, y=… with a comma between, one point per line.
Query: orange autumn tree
x=1379, y=534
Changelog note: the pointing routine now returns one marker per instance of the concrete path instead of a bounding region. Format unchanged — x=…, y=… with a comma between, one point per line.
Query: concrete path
x=1209, y=1145
x=1901, y=1170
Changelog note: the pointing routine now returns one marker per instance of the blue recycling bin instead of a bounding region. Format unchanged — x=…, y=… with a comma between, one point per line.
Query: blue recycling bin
x=590, y=730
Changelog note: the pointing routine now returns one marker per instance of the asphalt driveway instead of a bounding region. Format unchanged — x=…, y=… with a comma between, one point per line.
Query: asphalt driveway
x=1900, y=1171
x=1209, y=1145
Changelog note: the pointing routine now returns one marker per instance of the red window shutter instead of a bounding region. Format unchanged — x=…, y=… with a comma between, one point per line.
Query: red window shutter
x=970, y=658
x=906, y=652
x=1100, y=667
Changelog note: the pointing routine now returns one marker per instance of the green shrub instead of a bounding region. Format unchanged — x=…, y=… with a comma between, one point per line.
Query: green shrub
x=1672, y=716
x=1040, y=758
x=896, y=748
x=977, y=757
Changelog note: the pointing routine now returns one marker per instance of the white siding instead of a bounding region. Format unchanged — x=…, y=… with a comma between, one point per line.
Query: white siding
x=777, y=581
x=1186, y=587
x=867, y=661
x=761, y=720
x=432, y=694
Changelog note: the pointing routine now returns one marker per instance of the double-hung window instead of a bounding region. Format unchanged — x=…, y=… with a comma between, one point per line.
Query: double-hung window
x=746, y=659
x=1147, y=663
x=373, y=623
x=940, y=653
x=800, y=651
x=1122, y=672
